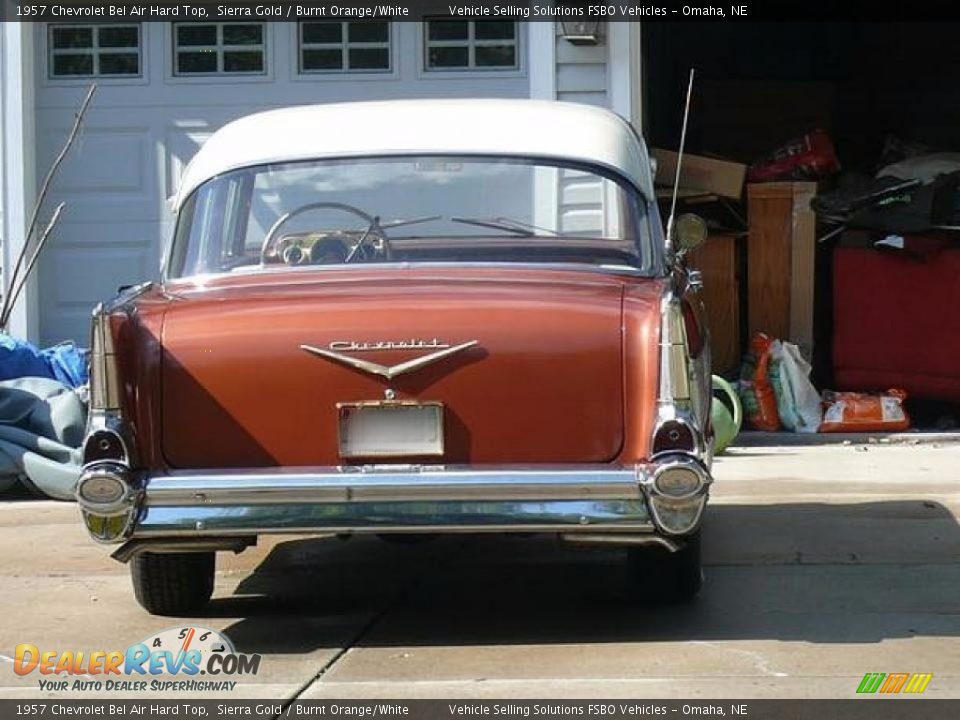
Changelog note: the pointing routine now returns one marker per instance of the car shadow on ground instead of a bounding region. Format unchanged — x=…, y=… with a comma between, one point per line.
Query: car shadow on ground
x=854, y=573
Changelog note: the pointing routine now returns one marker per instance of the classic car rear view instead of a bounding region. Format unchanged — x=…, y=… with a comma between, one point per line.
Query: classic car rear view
x=402, y=318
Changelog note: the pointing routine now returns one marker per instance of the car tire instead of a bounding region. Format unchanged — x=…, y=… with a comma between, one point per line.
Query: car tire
x=173, y=583
x=664, y=576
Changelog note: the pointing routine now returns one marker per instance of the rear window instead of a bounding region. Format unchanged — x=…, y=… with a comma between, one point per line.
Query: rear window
x=409, y=209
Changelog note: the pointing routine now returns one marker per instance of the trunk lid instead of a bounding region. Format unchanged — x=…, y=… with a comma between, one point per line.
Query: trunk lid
x=542, y=384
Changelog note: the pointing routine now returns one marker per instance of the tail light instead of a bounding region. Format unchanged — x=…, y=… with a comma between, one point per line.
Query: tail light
x=681, y=340
x=108, y=501
x=103, y=485
x=692, y=329
x=674, y=359
x=677, y=492
x=104, y=376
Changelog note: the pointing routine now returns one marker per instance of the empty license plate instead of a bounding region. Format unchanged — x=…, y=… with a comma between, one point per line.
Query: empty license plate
x=390, y=429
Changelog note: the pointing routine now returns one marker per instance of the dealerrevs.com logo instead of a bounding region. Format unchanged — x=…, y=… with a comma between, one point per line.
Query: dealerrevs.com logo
x=894, y=683
x=182, y=653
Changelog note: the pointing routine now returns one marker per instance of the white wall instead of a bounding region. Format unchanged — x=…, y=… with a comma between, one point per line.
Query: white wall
x=140, y=134
x=16, y=165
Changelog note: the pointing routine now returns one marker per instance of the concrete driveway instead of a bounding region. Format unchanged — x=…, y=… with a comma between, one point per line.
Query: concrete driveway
x=823, y=563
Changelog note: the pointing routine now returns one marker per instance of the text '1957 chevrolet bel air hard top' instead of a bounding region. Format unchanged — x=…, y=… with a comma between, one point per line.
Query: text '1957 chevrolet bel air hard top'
x=413, y=317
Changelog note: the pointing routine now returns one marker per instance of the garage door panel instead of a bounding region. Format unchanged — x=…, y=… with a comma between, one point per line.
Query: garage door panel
x=182, y=143
x=66, y=324
x=84, y=276
x=107, y=177
x=78, y=276
x=103, y=159
x=104, y=211
x=184, y=136
x=101, y=237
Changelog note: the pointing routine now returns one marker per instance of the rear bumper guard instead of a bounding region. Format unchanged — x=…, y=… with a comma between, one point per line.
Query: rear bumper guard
x=396, y=499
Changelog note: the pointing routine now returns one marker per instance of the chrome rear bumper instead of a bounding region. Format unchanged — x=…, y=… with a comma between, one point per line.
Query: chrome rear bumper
x=391, y=484
x=397, y=499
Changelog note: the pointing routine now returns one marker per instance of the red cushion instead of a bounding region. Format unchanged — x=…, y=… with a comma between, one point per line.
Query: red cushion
x=897, y=319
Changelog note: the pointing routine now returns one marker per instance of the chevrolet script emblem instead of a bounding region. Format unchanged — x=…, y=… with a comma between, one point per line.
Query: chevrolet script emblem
x=391, y=371
x=412, y=344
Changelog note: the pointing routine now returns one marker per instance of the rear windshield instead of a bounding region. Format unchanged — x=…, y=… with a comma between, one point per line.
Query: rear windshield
x=409, y=209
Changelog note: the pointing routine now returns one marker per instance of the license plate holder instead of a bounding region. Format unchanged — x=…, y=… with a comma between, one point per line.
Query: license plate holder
x=392, y=428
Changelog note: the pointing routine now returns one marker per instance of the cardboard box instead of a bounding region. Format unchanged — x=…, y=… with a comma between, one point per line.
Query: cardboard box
x=700, y=174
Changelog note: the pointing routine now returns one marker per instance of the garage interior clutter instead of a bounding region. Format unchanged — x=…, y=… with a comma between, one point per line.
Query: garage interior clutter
x=826, y=159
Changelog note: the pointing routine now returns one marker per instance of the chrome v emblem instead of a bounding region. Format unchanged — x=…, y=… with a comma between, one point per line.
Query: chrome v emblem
x=383, y=370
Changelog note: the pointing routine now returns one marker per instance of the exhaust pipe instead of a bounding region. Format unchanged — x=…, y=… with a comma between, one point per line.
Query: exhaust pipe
x=622, y=540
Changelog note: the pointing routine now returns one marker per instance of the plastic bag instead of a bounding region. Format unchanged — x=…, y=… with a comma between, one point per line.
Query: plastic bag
x=756, y=387
x=864, y=412
x=798, y=402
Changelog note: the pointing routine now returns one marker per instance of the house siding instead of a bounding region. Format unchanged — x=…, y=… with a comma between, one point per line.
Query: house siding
x=581, y=77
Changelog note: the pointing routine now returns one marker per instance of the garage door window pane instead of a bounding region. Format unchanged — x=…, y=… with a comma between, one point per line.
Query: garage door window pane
x=495, y=30
x=448, y=30
x=196, y=62
x=196, y=35
x=241, y=62
x=242, y=34
x=75, y=65
x=323, y=59
x=496, y=56
x=326, y=32
x=72, y=37
x=220, y=48
x=449, y=57
x=367, y=32
x=484, y=45
x=119, y=64
x=119, y=37
x=108, y=50
x=344, y=47
x=368, y=59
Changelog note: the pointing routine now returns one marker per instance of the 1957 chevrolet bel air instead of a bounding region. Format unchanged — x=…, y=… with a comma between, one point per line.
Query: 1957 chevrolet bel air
x=414, y=317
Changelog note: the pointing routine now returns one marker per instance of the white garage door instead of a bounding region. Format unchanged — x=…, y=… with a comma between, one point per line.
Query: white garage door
x=164, y=88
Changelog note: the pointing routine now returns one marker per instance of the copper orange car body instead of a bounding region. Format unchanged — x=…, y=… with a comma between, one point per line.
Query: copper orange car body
x=561, y=396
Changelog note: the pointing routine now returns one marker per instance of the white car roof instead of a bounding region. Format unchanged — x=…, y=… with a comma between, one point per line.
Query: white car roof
x=519, y=128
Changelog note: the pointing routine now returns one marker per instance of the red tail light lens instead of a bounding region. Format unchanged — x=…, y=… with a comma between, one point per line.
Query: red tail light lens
x=695, y=338
x=104, y=377
x=673, y=435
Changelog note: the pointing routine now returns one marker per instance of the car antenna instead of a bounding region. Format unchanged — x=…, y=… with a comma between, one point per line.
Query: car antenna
x=676, y=179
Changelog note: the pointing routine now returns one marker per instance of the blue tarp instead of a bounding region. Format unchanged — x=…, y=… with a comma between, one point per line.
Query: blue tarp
x=41, y=426
x=65, y=363
x=42, y=416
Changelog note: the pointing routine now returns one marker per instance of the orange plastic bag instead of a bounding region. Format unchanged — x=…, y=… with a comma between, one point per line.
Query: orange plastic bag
x=864, y=412
x=760, y=400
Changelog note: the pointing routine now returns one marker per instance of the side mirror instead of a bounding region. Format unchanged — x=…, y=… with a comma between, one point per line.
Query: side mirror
x=689, y=232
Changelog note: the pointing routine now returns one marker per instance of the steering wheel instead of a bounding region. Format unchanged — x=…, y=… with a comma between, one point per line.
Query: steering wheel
x=373, y=224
